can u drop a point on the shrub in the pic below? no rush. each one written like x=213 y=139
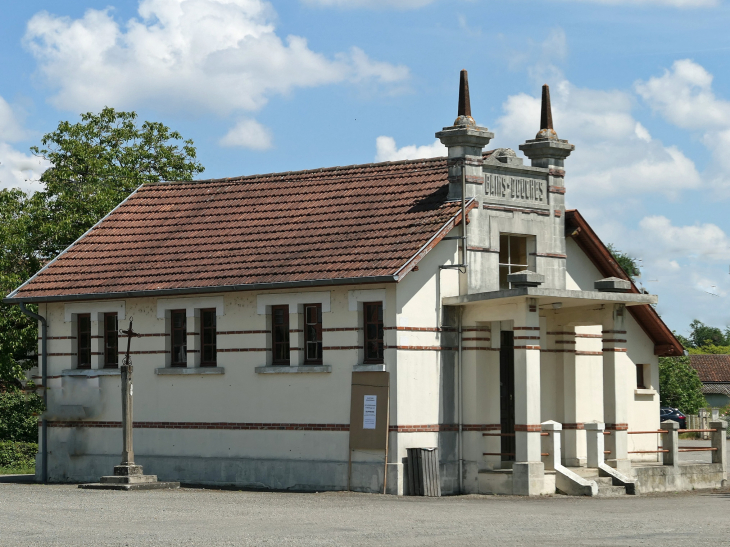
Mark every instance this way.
x=17 y=419
x=17 y=455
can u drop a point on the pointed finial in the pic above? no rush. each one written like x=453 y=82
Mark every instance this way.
x=464 y=116
x=464 y=102
x=546 y=117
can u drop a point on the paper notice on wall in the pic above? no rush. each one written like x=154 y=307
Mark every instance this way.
x=369 y=413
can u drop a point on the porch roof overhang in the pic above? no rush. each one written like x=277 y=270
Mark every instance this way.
x=567 y=299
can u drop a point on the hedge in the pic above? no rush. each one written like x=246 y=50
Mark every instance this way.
x=17 y=454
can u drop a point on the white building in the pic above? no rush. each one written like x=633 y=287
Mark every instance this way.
x=258 y=298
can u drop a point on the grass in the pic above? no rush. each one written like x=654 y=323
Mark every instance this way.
x=17 y=470
x=689 y=435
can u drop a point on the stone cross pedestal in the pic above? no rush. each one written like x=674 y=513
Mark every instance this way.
x=128 y=475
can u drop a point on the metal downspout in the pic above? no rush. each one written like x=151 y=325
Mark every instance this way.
x=464 y=244
x=460 y=408
x=44 y=381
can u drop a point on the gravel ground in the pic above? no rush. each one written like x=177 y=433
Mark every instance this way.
x=33 y=514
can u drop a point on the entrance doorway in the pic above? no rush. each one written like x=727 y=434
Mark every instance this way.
x=507 y=394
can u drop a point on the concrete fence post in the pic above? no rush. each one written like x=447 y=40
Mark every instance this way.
x=551 y=444
x=594 y=441
x=718 y=440
x=670 y=441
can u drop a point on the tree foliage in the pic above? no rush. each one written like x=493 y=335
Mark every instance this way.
x=18 y=421
x=627 y=262
x=95 y=164
x=704 y=335
x=680 y=385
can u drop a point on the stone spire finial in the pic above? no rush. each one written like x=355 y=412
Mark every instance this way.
x=464 y=116
x=546 y=117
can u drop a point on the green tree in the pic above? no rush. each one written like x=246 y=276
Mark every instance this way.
x=95 y=164
x=680 y=385
x=704 y=335
x=628 y=263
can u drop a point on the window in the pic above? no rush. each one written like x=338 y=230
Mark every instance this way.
x=280 y=331
x=207 y=338
x=313 y=334
x=512 y=257
x=83 y=337
x=179 y=337
x=640 y=377
x=373 y=332
x=111 y=341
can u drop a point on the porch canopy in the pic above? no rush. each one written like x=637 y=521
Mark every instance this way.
x=549 y=297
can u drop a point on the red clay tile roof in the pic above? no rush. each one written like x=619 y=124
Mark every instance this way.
x=711 y=368
x=665 y=343
x=361 y=221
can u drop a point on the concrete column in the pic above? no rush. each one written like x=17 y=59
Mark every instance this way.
x=718 y=440
x=551 y=444
x=595 y=444
x=528 y=470
x=296 y=338
x=615 y=387
x=670 y=442
x=193 y=339
x=572 y=427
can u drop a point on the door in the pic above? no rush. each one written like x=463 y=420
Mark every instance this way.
x=507 y=394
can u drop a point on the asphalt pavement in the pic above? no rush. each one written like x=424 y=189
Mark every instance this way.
x=32 y=514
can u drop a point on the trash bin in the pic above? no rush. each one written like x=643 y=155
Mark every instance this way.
x=423 y=472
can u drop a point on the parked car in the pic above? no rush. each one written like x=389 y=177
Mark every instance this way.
x=674 y=414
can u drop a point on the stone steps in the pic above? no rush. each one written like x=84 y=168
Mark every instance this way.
x=606 y=489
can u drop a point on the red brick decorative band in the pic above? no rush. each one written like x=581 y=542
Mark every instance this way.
x=149 y=352
x=225 y=332
x=561 y=333
x=557 y=351
x=565 y=342
x=526 y=328
x=613 y=332
x=420 y=329
x=515 y=210
x=529 y=428
x=97 y=337
x=615 y=350
x=556 y=172
x=439 y=428
x=481 y=249
x=345 y=329
x=549 y=255
x=527 y=347
x=296 y=330
x=336 y=348
x=149 y=335
x=589 y=336
x=556 y=189
x=615 y=340
x=526 y=337
x=208 y=425
x=480 y=348
x=617 y=427
x=589 y=353
x=423 y=348
x=558 y=213
x=237 y=350
x=476 y=329
x=58 y=338
x=579 y=425
x=61 y=354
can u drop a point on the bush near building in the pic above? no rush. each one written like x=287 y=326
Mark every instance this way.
x=679 y=385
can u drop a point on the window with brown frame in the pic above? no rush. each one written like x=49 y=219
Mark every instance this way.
x=208 y=338
x=83 y=339
x=640 y=376
x=373 y=332
x=179 y=338
x=313 y=334
x=512 y=257
x=111 y=341
x=280 y=334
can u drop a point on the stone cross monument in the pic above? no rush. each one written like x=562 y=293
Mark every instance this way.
x=128 y=475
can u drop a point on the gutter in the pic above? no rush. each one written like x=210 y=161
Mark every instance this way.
x=44 y=381
x=10 y=299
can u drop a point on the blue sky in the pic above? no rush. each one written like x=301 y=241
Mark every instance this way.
x=641 y=87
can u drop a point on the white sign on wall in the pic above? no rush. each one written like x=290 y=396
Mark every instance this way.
x=369 y=412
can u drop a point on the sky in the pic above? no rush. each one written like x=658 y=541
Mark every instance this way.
x=641 y=87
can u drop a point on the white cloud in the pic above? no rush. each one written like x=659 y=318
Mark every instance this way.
x=19 y=170
x=671 y=3
x=211 y=55
x=11 y=127
x=615 y=154
x=684 y=97
x=386 y=150
x=372 y=4
x=706 y=242
x=248 y=134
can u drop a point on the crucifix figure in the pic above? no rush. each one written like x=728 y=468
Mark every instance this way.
x=127 y=391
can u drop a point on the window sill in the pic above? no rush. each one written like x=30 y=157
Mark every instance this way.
x=181 y=371
x=91 y=372
x=642 y=391
x=368 y=368
x=284 y=369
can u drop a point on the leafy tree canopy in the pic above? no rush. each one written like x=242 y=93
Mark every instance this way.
x=680 y=385
x=628 y=263
x=704 y=335
x=95 y=164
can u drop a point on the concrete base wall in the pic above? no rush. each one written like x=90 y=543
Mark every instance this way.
x=672 y=479
x=500 y=483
